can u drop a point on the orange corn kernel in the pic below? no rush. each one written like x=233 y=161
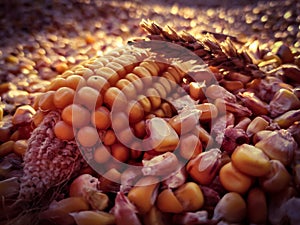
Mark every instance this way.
x=109 y=138
x=120 y=152
x=63 y=97
x=56 y=84
x=101 y=118
x=76 y=115
x=114 y=97
x=75 y=82
x=135 y=111
x=140 y=129
x=234 y=180
x=46 y=101
x=204 y=167
x=251 y=160
x=98 y=83
x=63 y=131
x=102 y=154
x=87 y=136
x=89 y=97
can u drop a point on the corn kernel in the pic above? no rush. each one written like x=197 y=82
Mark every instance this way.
x=101 y=118
x=277 y=179
x=63 y=97
x=168 y=202
x=87 y=136
x=251 y=160
x=231 y=208
x=89 y=97
x=92 y=217
x=20 y=147
x=6 y=148
x=234 y=180
x=190 y=196
x=143 y=195
x=257 y=209
x=203 y=168
x=76 y=115
x=102 y=154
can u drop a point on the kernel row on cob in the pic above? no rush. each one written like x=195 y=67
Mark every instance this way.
x=229 y=172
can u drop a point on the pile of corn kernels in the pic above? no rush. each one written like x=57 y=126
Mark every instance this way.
x=94 y=131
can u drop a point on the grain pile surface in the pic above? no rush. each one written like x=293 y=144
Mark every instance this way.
x=131 y=112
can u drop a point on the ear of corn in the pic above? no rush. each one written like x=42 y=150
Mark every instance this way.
x=71 y=122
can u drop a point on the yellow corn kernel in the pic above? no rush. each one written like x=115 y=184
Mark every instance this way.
x=189 y=146
x=98 y=83
x=232 y=85
x=89 y=97
x=196 y=90
x=46 y=101
x=143 y=194
x=127 y=88
x=154 y=216
x=251 y=160
x=257 y=209
x=9 y=187
x=208 y=111
x=20 y=147
x=277 y=179
x=163 y=137
x=38 y=117
x=135 y=111
x=234 y=180
x=288 y=118
x=167 y=202
x=256 y=125
x=109 y=74
x=97 y=199
x=279 y=145
x=154 y=97
x=145 y=103
x=190 y=196
x=114 y=97
x=6 y=148
x=185 y=121
x=118 y=68
x=204 y=167
x=231 y=208
x=143 y=74
x=75 y=82
x=136 y=81
x=92 y=217
x=59 y=212
x=1 y=113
